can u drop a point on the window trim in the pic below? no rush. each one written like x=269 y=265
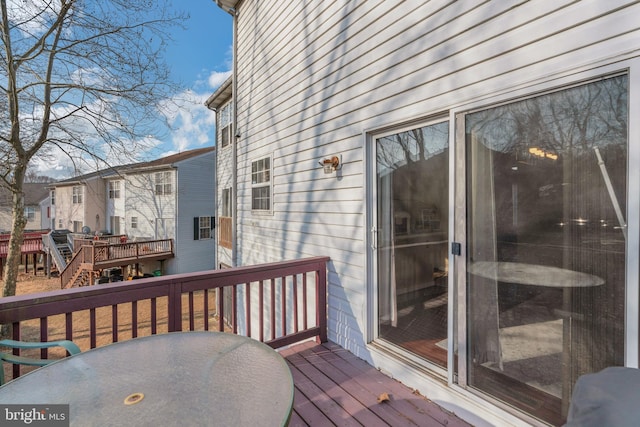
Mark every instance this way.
x=30 y=213
x=114 y=189
x=225 y=205
x=225 y=123
x=164 y=184
x=263 y=184
x=199 y=228
x=77 y=195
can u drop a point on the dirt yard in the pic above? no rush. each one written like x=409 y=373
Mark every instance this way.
x=28 y=283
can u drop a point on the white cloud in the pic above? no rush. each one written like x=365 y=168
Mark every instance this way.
x=192 y=123
x=216 y=78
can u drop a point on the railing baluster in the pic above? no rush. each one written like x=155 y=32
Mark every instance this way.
x=294 y=298
x=114 y=323
x=16 y=351
x=304 y=301
x=92 y=328
x=191 y=317
x=321 y=302
x=247 y=290
x=154 y=316
x=234 y=310
x=273 y=309
x=261 y=308
x=220 y=309
x=205 y=308
x=68 y=317
x=134 y=319
x=44 y=336
x=283 y=305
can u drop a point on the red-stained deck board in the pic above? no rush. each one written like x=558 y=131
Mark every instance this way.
x=334 y=387
x=328 y=396
x=407 y=404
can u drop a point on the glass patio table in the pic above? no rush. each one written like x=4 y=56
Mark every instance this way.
x=545 y=276
x=179 y=378
x=534 y=275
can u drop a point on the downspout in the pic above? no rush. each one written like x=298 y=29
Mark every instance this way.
x=236 y=136
x=233 y=11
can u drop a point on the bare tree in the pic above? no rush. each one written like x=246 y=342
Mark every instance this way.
x=81 y=79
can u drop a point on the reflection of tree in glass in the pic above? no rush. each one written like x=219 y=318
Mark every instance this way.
x=583 y=117
x=411 y=146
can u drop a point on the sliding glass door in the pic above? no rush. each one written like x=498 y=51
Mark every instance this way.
x=546 y=185
x=410 y=253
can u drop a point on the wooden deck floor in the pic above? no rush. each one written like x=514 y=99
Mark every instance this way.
x=334 y=387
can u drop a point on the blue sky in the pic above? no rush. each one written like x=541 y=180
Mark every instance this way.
x=205 y=47
x=200 y=57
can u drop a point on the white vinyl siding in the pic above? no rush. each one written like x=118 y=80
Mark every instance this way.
x=334 y=70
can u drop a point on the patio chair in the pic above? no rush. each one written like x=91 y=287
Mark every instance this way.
x=70 y=346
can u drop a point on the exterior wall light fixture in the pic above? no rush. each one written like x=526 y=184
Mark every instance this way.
x=331 y=164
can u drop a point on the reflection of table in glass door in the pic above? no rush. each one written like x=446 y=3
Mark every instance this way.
x=173 y=379
x=546 y=276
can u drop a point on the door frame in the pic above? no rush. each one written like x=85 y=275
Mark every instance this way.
x=457 y=265
x=371 y=330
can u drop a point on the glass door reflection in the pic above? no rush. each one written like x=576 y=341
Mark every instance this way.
x=546 y=199
x=412 y=217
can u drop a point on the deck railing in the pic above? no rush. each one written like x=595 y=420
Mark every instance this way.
x=31 y=244
x=277 y=303
x=100 y=254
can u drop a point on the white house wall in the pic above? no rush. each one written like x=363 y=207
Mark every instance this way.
x=94 y=205
x=224 y=179
x=116 y=206
x=196 y=198
x=314 y=77
x=142 y=202
x=90 y=212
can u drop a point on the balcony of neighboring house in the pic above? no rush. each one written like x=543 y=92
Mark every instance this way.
x=282 y=304
x=31 y=246
x=91 y=257
x=224 y=234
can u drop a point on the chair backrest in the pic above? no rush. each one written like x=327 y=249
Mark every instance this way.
x=69 y=346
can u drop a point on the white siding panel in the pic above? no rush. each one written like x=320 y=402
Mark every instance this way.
x=465 y=59
x=314 y=76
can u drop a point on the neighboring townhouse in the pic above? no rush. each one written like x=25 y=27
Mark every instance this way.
x=168 y=198
x=35 y=197
x=78 y=203
x=222 y=103
x=468 y=168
